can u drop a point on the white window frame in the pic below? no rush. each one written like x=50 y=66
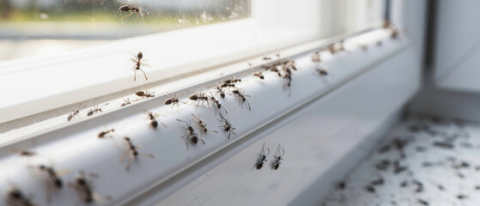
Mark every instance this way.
x=78 y=141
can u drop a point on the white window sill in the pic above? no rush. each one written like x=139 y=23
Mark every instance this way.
x=77 y=147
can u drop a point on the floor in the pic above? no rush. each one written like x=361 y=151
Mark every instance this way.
x=425 y=161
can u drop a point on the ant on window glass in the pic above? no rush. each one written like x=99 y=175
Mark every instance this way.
x=132 y=8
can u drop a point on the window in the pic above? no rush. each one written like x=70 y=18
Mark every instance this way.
x=77 y=51
x=41 y=95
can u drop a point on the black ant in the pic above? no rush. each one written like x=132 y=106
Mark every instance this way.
x=277 y=158
x=219 y=90
x=126 y=102
x=262 y=158
x=267 y=58
x=137 y=60
x=289 y=64
x=200 y=97
x=96 y=109
x=152 y=117
x=232 y=81
x=103 y=134
x=133 y=150
x=16 y=197
x=227 y=126
x=216 y=103
x=25 y=153
x=191 y=135
x=331 y=48
x=259 y=75
x=174 y=101
x=242 y=98
x=273 y=68
x=316 y=57
x=228 y=85
x=54 y=178
x=133 y=9
x=75 y=112
x=147 y=94
x=341 y=47
x=84 y=188
x=322 y=71
x=202 y=125
x=364 y=47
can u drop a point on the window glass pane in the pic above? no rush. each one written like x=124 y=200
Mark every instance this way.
x=42 y=27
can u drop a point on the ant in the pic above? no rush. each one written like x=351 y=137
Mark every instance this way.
x=133 y=9
x=289 y=64
x=174 y=101
x=331 y=48
x=227 y=126
x=216 y=103
x=84 y=188
x=242 y=98
x=341 y=47
x=262 y=158
x=54 y=178
x=259 y=75
x=277 y=158
x=25 y=153
x=225 y=85
x=133 y=150
x=273 y=68
x=126 y=102
x=202 y=125
x=219 y=90
x=16 y=197
x=200 y=97
x=96 y=109
x=153 y=118
x=192 y=136
x=75 y=112
x=232 y=81
x=145 y=94
x=103 y=134
x=322 y=71
x=137 y=60
x=316 y=57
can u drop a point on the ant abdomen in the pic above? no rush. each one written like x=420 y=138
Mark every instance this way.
x=125 y=8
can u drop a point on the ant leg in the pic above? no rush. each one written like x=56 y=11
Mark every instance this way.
x=135 y=75
x=128 y=164
x=144 y=74
x=126 y=16
x=202 y=141
x=148 y=155
x=229 y=133
x=186 y=143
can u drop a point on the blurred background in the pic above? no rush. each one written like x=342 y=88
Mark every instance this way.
x=44 y=27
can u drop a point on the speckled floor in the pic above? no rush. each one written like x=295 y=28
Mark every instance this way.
x=425 y=161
